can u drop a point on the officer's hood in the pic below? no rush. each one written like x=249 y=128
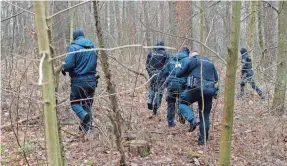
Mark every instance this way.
x=243 y=51
x=183 y=53
x=159 y=43
x=78 y=33
x=81 y=41
x=179 y=56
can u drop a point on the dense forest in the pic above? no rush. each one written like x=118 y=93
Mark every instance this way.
x=39 y=126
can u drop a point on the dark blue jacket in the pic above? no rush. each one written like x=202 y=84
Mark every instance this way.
x=192 y=67
x=81 y=66
x=246 y=62
x=174 y=82
x=157 y=59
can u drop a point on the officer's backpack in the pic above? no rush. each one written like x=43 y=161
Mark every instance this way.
x=157 y=60
x=174 y=82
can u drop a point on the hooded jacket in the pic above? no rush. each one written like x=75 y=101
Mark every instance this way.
x=246 y=62
x=173 y=81
x=192 y=67
x=81 y=66
x=157 y=59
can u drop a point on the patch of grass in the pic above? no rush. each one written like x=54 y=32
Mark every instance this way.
x=194 y=154
x=28 y=148
x=91 y=163
x=145 y=153
x=2 y=148
x=3 y=163
x=41 y=163
x=244 y=119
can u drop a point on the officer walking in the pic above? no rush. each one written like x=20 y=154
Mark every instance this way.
x=209 y=78
x=82 y=69
x=156 y=61
x=247 y=75
x=174 y=85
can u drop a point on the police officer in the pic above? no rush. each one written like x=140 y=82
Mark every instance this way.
x=247 y=74
x=156 y=61
x=174 y=85
x=82 y=69
x=209 y=77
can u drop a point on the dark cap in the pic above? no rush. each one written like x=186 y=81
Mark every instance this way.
x=77 y=33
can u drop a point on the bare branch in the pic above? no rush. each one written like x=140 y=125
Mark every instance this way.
x=50 y=17
x=19 y=8
x=5 y=19
x=20 y=122
x=183 y=37
x=109 y=49
x=209 y=31
x=16 y=93
x=117 y=93
x=274 y=8
x=129 y=69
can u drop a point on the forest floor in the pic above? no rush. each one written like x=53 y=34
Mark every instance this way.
x=258 y=139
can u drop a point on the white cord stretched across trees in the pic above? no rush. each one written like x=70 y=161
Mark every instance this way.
x=125 y=91
x=110 y=49
x=19 y=7
x=40 y=81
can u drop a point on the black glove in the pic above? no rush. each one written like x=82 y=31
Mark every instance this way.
x=63 y=72
x=216 y=93
x=97 y=77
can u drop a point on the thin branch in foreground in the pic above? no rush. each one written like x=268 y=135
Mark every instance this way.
x=16 y=93
x=183 y=37
x=129 y=69
x=274 y=8
x=50 y=17
x=15 y=15
x=109 y=49
x=19 y=8
x=108 y=95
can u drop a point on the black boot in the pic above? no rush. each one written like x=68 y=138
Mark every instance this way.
x=85 y=124
x=181 y=119
x=149 y=104
x=154 y=110
x=193 y=123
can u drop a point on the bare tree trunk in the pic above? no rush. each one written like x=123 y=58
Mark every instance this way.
x=162 y=19
x=172 y=24
x=111 y=17
x=56 y=79
x=251 y=29
x=118 y=21
x=281 y=76
x=48 y=88
x=116 y=117
x=261 y=37
x=71 y=16
x=148 y=37
x=203 y=26
x=229 y=91
x=184 y=21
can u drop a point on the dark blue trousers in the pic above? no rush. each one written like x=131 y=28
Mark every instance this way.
x=82 y=91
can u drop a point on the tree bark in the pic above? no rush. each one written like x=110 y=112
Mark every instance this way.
x=172 y=24
x=148 y=37
x=260 y=34
x=229 y=91
x=48 y=88
x=184 y=21
x=203 y=26
x=251 y=28
x=71 y=17
x=281 y=76
x=116 y=117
